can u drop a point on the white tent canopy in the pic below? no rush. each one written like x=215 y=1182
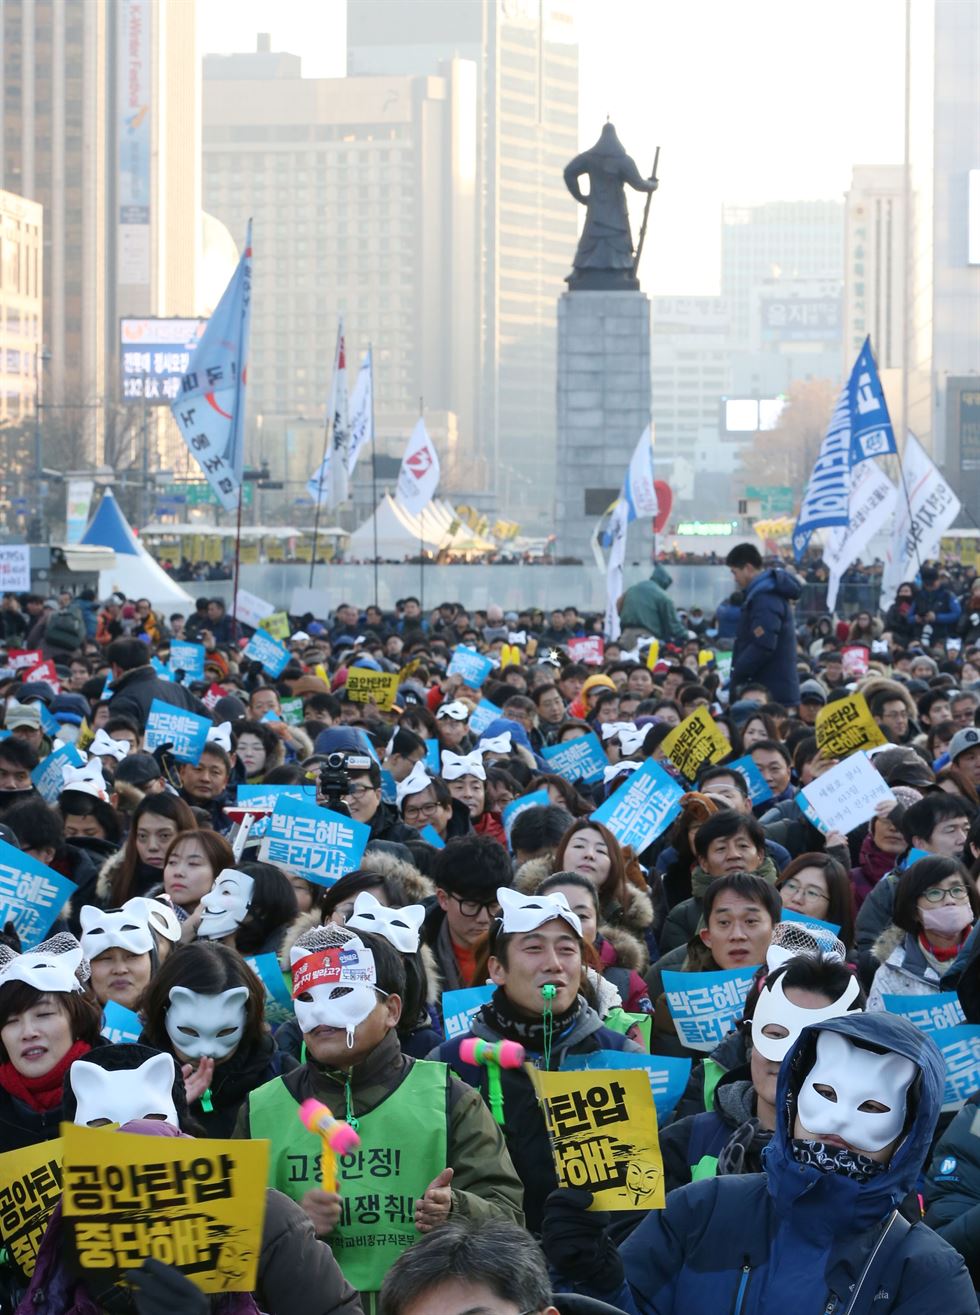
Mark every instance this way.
x=135 y=574
x=400 y=533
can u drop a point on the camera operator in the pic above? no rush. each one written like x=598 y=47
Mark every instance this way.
x=350 y=776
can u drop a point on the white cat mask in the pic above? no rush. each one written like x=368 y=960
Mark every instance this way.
x=123 y=929
x=123 y=1094
x=206 y=1025
x=400 y=927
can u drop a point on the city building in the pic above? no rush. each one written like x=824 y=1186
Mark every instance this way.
x=525 y=131
x=21 y=283
x=874 y=262
x=941 y=384
x=100 y=125
x=362 y=196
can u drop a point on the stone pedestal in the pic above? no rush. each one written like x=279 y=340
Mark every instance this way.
x=603 y=407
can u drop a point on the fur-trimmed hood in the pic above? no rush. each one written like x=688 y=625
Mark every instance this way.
x=103 y=885
x=625 y=934
x=888 y=942
x=874 y=685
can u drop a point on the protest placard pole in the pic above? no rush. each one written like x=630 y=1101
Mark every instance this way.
x=327 y=424
x=374 y=475
x=238 y=557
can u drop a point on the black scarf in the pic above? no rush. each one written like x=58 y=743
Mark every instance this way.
x=500 y=1014
x=835 y=1159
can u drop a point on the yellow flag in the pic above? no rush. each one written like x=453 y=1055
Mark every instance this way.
x=653 y=653
x=195 y=1204
x=380 y=687
x=30 y=1188
x=705 y=656
x=603 y=1130
x=696 y=741
x=847 y=725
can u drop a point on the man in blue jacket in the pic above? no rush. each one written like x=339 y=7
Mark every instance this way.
x=831 y=1226
x=765 y=646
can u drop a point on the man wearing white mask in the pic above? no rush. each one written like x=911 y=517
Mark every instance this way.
x=536 y=965
x=428 y=1147
x=831 y=1227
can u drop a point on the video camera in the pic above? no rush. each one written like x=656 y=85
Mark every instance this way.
x=335 y=777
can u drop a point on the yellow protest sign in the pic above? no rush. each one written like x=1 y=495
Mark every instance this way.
x=195 y=1204
x=409 y=670
x=30 y=1188
x=653 y=654
x=845 y=726
x=603 y=1130
x=276 y=624
x=695 y=743
x=380 y=687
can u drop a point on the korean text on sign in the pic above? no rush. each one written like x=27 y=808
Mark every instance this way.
x=263 y=648
x=188 y=658
x=759 y=792
x=47 y=777
x=459 y=1008
x=960 y=1048
x=195 y=1204
x=642 y=808
x=668 y=1074
x=581 y=759
x=929 y=1013
x=380 y=687
x=185 y=731
x=845 y=726
x=471 y=665
x=603 y=1132
x=696 y=742
x=314 y=842
x=31 y=895
x=30 y=1188
x=706 y=1006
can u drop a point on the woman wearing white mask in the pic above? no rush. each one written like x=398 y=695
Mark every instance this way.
x=207 y=1008
x=936 y=905
x=120 y=947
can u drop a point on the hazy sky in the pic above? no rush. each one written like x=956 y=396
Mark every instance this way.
x=749 y=100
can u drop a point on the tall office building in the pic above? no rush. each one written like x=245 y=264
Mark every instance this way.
x=362 y=194
x=874 y=262
x=942 y=383
x=100 y=124
x=525 y=132
x=21 y=282
x=762 y=244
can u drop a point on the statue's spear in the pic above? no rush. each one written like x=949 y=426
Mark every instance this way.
x=646 y=216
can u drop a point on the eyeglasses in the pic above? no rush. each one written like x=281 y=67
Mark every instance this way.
x=793 y=887
x=472 y=908
x=936 y=894
x=420 y=810
x=357 y=791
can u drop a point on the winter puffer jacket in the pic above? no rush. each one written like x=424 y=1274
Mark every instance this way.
x=953 y=1186
x=794 y=1238
x=684 y=919
x=765 y=646
x=904 y=970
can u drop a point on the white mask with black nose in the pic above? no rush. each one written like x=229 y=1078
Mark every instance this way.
x=855 y=1094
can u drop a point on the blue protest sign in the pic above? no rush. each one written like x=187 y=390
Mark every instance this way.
x=389 y=788
x=706 y=1006
x=188 y=658
x=271 y=715
x=642 y=808
x=536 y=799
x=31 y=895
x=482 y=715
x=432 y=837
x=431 y=758
x=185 y=731
x=267 y=970
x=263 y=648
x=161 y=668
x=929 y=1013
x=668 y=1074
x=120 y=1025
x=759 y=792
x=961 y=1051
x=267 y=796
x=459 y=1008
x=581 y=759
x=47 y=778
x=313 y=842
x=49 y=723
x=471 y=665
x=791 y=915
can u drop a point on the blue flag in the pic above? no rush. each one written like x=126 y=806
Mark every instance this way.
x=859 y=428
x=210 y=407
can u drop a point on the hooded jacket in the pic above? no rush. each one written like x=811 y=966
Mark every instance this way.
x=904 y=969
x=793 y=1238
x=135 y=690
x=765 y=646
x=647 y=607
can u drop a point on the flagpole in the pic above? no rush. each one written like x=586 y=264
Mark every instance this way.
x=374 y=472
x=238 y=553
x=421 y=549
x=239 y=423
x=908 y=500
x=331 y=407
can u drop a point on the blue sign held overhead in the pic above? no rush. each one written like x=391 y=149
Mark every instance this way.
x=120 y=1025
x=536 y=799
x=642 y=808
x=314 y=842
x=185 y=731
x=471 y=665
x=31 y=895
x=581 y=759
x=460 y=1007
x=759 y=792
x=263 y=648
x=47 y=777
x=188 y=658
x=706 y=1006
x=482 y=715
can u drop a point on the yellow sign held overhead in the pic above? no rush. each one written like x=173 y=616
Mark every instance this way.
x=602 y=1125
x=277 y=625
x=696 y=742
x=30 y=1188
x=195 y=1204
x=380 y=687
x=847 y=725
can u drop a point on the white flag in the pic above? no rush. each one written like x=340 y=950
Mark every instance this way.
x=921 y=519
x=870 y=506
x=361 y=412
x=340 y=426
x=638 y=487
x=419 y=474
x=615 y=536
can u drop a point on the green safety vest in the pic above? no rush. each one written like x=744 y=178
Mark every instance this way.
x=403 y=1147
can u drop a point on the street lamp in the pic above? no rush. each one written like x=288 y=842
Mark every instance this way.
x=41 y=355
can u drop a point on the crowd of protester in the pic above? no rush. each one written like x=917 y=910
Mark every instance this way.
x=811 y=1164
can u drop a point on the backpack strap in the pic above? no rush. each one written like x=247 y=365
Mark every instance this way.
x=889 y=1241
